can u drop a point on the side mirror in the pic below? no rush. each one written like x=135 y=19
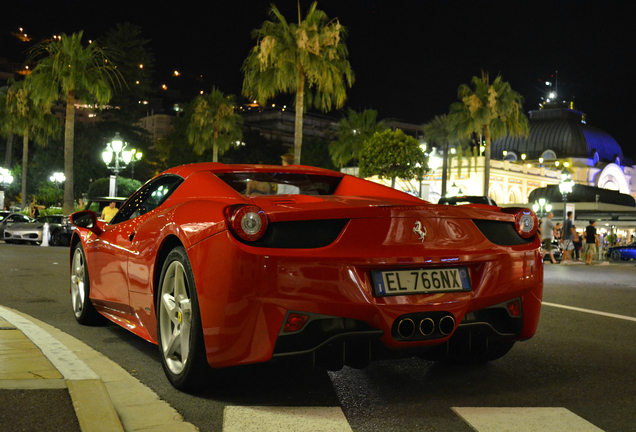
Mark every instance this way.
x=86 y=219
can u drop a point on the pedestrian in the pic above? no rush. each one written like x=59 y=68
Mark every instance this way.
x=567 y=238
x=109 y=211
x=578 y=244
x=35 y=212
x=287 y=159
x=591 y=242
x=285 y=188
x=547 y=230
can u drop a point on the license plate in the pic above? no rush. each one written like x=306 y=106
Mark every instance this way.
x=421 y=281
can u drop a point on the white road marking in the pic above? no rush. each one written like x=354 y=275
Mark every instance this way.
x=611 y=315
x=524 y=420
x=64 y=360
x=274 y=419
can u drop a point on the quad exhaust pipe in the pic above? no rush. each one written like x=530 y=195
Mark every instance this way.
x=418 y=327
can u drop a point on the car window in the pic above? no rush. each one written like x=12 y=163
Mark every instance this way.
x=148 y=198
x=17 y=218
x=50 y=219
x=277 y=183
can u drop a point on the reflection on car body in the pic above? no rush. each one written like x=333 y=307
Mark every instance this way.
x=219 y=275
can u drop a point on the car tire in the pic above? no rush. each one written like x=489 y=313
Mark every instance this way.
x=179 y=330
x=83 y=308
x=56 y=238
x=615 y=255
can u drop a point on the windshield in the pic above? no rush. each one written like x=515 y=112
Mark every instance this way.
x=50 y=219
x=273 y=183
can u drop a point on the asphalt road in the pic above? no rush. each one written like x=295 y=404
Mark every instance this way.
x=581 y=360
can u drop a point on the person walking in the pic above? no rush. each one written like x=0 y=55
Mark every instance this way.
x=567 y=238
x=547 y=230
x=578 y=244
x=591 y=242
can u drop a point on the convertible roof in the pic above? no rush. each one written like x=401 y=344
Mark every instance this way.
x=187 y=170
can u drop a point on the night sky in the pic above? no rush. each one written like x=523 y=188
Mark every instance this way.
x=409 y=57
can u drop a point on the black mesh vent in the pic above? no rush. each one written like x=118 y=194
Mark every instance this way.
x=501 y=233
x=309 y=234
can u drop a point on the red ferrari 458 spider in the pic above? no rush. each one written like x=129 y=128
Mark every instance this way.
x=224 y=265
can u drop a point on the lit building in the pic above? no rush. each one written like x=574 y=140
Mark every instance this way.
x=559 y=138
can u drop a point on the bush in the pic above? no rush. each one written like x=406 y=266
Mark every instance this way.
x=125 y=187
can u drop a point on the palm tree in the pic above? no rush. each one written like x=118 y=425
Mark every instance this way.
x=5 y=126
x=23 y=117
x=489 y=110
x=69 y=71
x=308 y=59
x=353 y=131
x=213 y=123
x=437 y=131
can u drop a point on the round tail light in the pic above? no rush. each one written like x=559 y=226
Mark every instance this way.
x=526 y=222
x=248 y=222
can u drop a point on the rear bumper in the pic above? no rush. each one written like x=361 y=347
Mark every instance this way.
x=243 y=321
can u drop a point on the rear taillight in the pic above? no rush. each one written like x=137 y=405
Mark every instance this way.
x=248 y=222
x=526 y=222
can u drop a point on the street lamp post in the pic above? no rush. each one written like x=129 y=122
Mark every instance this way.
x=542 y=207
x=565 y=186
x=5 y=180
x=57 y=178
x=434 y=162
x=115 y=152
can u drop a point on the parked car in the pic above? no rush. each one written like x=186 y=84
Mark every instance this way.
x=97 y=204
x=60 y=229
x=341 y=272
x=618 y=253
x=7 y=219
x=467 y=199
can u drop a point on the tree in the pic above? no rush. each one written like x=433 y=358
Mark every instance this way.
x=308 y=59
x=213 y=123
x=25 y=118
x=392 y=154
x=317 y=153
x=353 y=131
x=70 y=71
x=5 y=129
x=128 y=52
x=490 y=111
x=256 y=149
x=438 y=131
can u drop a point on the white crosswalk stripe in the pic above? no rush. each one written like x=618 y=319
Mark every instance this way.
x=297 y=419
x=524 y=420
x=311 y=419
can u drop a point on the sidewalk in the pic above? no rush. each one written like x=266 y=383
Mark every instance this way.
x=51 y=381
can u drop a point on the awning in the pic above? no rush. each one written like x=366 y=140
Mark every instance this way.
x=581 y=193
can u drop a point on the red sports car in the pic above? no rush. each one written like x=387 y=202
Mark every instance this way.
x=224 y=265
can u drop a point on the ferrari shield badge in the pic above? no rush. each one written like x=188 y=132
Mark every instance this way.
x=420 y=230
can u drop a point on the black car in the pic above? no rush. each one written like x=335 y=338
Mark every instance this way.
x=97 y=204
x=467 y=199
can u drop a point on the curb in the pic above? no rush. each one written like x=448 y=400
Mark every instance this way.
x=105 y=397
